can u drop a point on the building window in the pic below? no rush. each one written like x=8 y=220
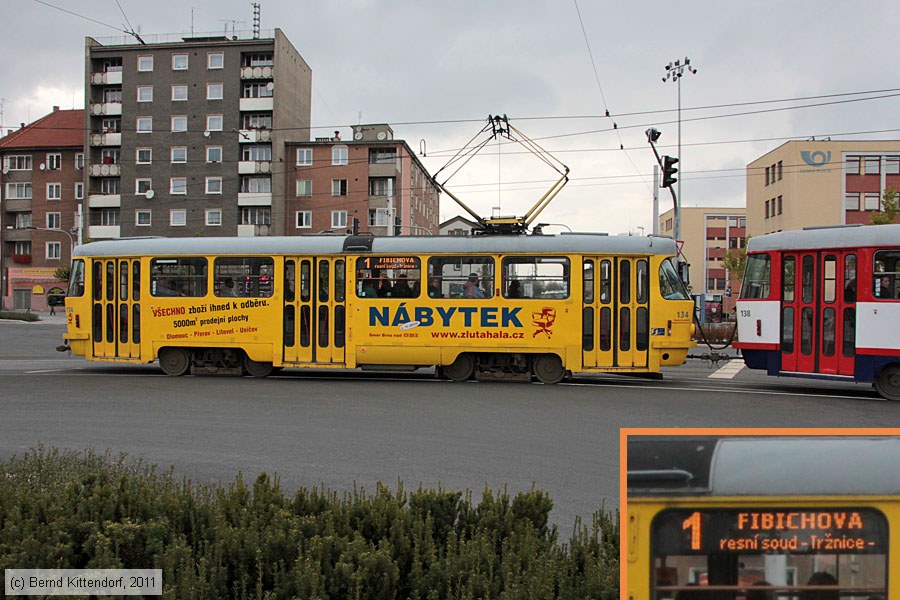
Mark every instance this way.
x=256 y=185
x=257 y=90
x=257 y=59
x=873 y=165
x=256 y=215
x=851 y=201
x=214 y=217
x=873 y=201
x=54 y=162
x=145 y=124
x=79 y=190
x=304 y=187
x=214 y=122
x=53 y=250
x=780 y=205
x=381 y=186
x=18 y=162
x=779 y=170
x=178 y=186
x=79 y=161
x=215 y=60
x=177 y=217
x=179 y=124
x=215 y=91
x=338 y=219
x=142 y=218
x=22 y=248
x=304 y=157
x=214 y=154
x=109 y=186
x=111 y=125
x=179 y=62
x=110 y=156
x=53 y=220
x=112 y=96
x=767 y=209
x=256 y=121
x=142 y=186
x=338 y=187
x=145 y=63
x=851 y=165
x=179 y=93
x=892 y=165
x=339 y=155
x=383 y=156
x=304 y=219
x=379 y=218
x=23 y=221
x=145 y=93
x=179 y=155
x=256 y=152
x=54 y=191
x=767 y=175
x=772 y=171
x=213 y=185
x=143 y=156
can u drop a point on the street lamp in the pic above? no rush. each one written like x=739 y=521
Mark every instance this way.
x=69 y=235
x=674 y=72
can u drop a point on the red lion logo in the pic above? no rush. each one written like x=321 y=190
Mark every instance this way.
x=543 y=320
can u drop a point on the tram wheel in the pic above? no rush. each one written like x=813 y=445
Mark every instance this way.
x=548 y=368
x=461 y=368
x=175 y=361
x=257 y=369
x=888 y=383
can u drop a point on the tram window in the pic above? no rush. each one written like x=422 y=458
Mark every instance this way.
x=252 y=277
x=178 y=277
x=110 y=281
x=787 y=330
x=456 y=275
x=123 y=323
x=886 y=274
x=642 y=282
x=808 y=279
x=624 y=328
x=305 y=277
x=828 y=331
x=587 y=281
x=625 y=282
x=289 y=274
x=76 y=279
x=340 y=277
x=670 y=284
x=850 y=278
x=97 y=287
x=642 y=329
x=587 y=328
x=323 y=284
x=785 y=548
x=289 y=325
x=788 y=279
x=806 y=322
x=830 y=278
x=757 y=277
x=136 y=323
x=388 y=277
x=123 y=281
x=848 y=345
x=605 y=329
x=544 y=277
x=136 y=281
x=605 y=281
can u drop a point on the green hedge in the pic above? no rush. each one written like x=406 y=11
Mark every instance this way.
x=19 y=316
x=84 y=510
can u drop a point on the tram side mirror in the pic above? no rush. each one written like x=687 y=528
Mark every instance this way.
x=684 y=272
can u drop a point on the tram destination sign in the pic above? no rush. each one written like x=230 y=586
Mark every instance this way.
x=780 y=530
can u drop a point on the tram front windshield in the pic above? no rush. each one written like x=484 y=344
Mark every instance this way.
x=769 y=553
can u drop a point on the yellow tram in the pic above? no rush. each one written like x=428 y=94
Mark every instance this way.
x=485 y=306
x=762 y=517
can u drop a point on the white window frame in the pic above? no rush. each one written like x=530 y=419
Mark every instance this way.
x=212 y=183
x=308 y=188
x=145 y=93
x=176 y=62
x=18 y=190
x=872 y=200
x=145 y=63
x=54 y=220
x=220 y=60
x=140 y=183
x=79 y=161
x=79 y=190
x=338 y=219
x=54 y=192
x=892 y=165
x=53 y=250
x=143 y=212
x=209 y=122
x=303 y=219
x=210 y=212
x=335 y=188
x=18 y=162
x=213 y=87
x=172 y=152
x=872 y=165
x=340 y=156
x=147 y=151
x=54 y=161
x=178 y=119
x=147 y=122
x=208 y=149
x=177 y=217
x=178 y=186
x=179 y=93
x=304 y=157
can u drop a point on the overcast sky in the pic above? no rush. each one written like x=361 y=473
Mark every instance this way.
x=417 y=64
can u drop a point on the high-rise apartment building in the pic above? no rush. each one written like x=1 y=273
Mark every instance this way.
x=372 y=178
x=186 y=137
x=41 y=193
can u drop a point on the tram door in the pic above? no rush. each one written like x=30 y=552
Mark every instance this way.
x=818 y=312
x=116 y=312
x=615 y=312
x=314 y=322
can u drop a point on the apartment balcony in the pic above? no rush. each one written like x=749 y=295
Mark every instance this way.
x=257 y=72
x=250 y=136
x=254 y=167
x=106 y=170
x=17 y=205
x=106 y=139
x=104 y=201
x=253 y=230
x=103 y=232
x=110 y=78
x=257 y=104
x=254 y=199
x=17 y=234
x=386 y=169
x=106 y=109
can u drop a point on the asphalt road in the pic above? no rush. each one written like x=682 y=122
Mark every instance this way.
x=346 y=430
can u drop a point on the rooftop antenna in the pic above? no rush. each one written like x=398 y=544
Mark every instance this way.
x=255 y=6
x=234 y=23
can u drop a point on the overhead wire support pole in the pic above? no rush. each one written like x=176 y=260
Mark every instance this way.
x=674 y=72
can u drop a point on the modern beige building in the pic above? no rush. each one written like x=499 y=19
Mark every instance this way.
x=708 y=233
x=816 y=183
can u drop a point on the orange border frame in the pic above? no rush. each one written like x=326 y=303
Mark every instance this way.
x=735 y=431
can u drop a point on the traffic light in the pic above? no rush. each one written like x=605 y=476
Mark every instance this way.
x=669 y=171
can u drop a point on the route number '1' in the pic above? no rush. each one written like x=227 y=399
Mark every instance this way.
x=693 y=523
